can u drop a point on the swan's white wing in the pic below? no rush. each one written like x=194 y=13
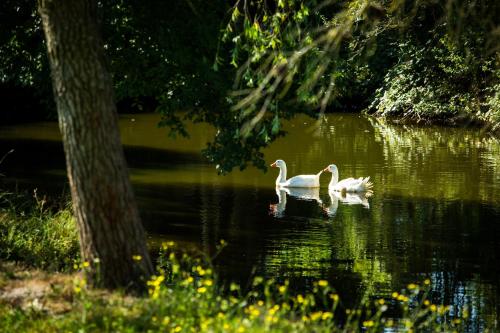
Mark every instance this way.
x=343 y=184
x=302 y=181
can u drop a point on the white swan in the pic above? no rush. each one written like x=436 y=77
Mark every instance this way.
x=347 y=185
x=297 y=181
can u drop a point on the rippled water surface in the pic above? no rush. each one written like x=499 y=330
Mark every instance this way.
x=435 y=211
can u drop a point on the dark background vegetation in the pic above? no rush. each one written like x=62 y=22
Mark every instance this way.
x=418 y=61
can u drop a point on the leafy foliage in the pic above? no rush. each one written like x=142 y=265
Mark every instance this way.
x=417 y=59
x=440 y=80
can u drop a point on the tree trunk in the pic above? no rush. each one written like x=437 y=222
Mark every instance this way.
x=112 y=238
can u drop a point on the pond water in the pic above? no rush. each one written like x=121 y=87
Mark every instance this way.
x=435 y=211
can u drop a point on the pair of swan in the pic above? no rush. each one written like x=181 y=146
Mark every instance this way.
x=349 y=185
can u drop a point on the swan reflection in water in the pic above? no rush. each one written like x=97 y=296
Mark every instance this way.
x=312 y=194
x=308 y=194
x=346 y=198
x=352 y=198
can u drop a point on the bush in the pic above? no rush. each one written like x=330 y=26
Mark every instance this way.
x=441 y=80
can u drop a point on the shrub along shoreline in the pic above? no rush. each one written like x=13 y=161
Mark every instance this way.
x=183 y=296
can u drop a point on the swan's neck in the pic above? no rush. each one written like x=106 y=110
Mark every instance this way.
x=282 y=176
x=335 y=178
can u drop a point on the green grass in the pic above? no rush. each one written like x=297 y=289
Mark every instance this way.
x=36 y=235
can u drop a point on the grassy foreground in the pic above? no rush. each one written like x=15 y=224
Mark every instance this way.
x=184 y=295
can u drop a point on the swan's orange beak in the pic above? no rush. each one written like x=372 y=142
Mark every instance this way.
x=326 y=169
x=273 y=165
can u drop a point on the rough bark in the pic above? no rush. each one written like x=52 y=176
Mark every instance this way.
x=111 y=234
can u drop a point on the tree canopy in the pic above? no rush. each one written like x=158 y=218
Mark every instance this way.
x=245 y=66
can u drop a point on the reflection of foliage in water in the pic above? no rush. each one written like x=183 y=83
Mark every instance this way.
x=467 y=157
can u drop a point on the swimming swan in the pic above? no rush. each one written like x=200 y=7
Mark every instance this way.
x=347 y=185
x=297 y=181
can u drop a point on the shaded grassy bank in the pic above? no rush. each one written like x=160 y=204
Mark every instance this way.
x=184 y=295
x=36 y=234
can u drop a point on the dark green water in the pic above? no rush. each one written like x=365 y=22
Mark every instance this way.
x=435 y=212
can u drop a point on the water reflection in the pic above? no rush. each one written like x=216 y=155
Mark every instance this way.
x=300 y=193
x=435 y=211
x=278 y=209
x=351 y=198
x=331 y=209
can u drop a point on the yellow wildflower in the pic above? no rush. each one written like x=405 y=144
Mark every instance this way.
x=177 y=329
x=316 y=315
x=326 y=315
x=86 y=264
x=282 y=289
x=427 y=282
x=323 y=283
x=208 y=282
x=300 y=299
x=260 y=303
x=433 y=308
x=334 y=297
x=137 y=257
x=201 y=290
x=368 y=323
x=412 y=286
x=395 y=294
x=254 y=312
x=274 y=309
x=427 y=302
